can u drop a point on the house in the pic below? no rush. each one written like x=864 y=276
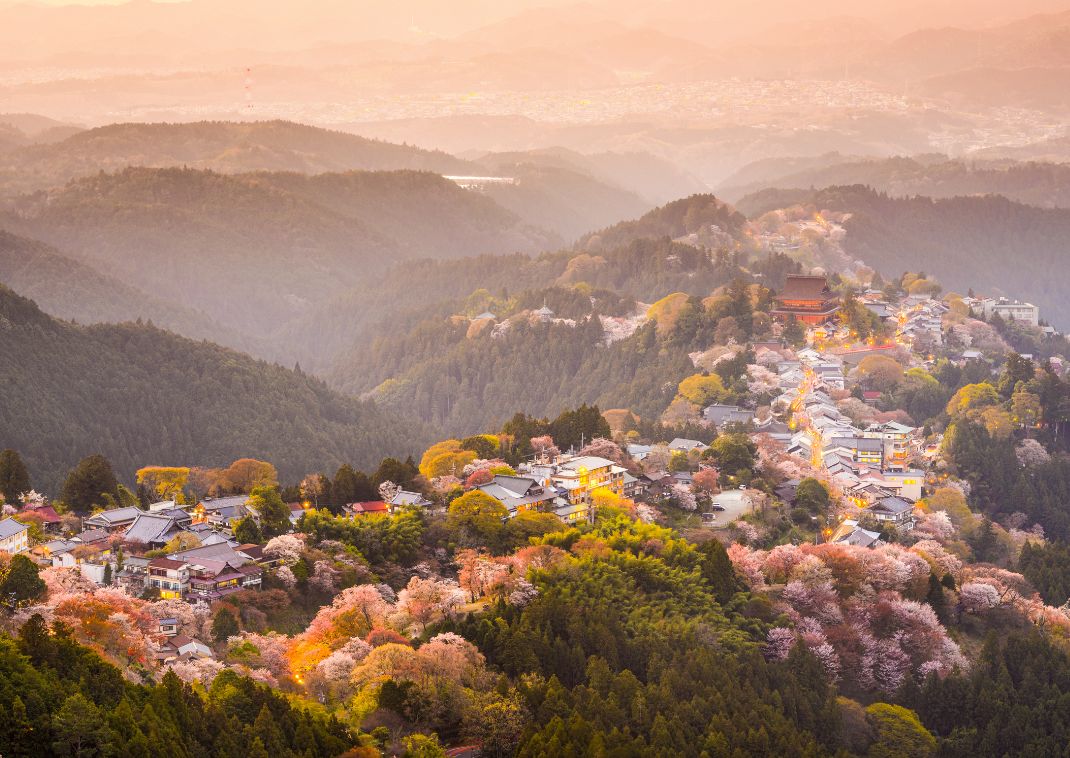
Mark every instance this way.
x=46 y=515
x=906 y=484
x=578 y=477
x=722 y=415
x=220 y=511
x=168 y=627
x=850 y=533
x=154 y=530
x=520 y=493
x=892 y=510
x=368 y=508
x=219 y=570
x=169 y=576
x=180 y=646
x=786 y=491
x=639 y=452
x=14 y=537
x=808 y=298
x=407 y=498
x=113 y=520
x=896 y=438
x=860 y=449
x=633 y=486
x=544 y=314
x=681 y=445
x=134 y=574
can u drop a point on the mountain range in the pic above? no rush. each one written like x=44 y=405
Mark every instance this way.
x=138 y=394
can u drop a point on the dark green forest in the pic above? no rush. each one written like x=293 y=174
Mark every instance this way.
x=138 y=395
x=59 y=698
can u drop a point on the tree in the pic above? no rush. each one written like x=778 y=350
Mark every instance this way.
x=972 y=397
x=247 y=532
x=273 y=514
x=166 y=482
x=89 y=484
x=349 y=486
x=794 y=333
x=80 y=728
x=575 y=428
x=702 y=389
x=477 y=518
x=21 y=582
x=733 y=453
x=14 y=478
x=812 y=495
x=706 y=481
x=423 y=746
x=899 y=733
x=879 y=372
x=107 y=575
x=313 y=487
x=246 y=474
x=224 y=625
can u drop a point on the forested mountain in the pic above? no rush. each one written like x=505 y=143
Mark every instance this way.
x=989 y=243
x=255 y=250
x=136 y=394
x=675 y=219
x=70 y=289
x=461 y=373
x=228 y=147
x=1046 y=185
x=654 y=179
x=643 y=269
x=564 y=200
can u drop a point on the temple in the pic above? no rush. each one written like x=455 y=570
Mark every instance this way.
x=808 y=298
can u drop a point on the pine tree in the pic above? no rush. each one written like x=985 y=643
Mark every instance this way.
x=224 y=625
x=14 y=478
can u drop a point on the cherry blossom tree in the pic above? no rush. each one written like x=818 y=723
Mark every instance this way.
x=604 y=448
x=544 y=447
x=285 y=547
x=388 y=490
x=286 y=575
x=426 y=601
x=324 y=577
x=197 y=670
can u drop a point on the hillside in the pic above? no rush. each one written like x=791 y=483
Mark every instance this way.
x=654 y=179
x=563 y=200
x=675 y=219
x=460 y=375
x=226 y=147
x=71 y=290
x=254 y=251
x=1042 y=184
x=988 y=243
x=137 y=394
x=641 y=269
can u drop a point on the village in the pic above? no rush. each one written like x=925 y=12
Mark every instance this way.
x=811 y=408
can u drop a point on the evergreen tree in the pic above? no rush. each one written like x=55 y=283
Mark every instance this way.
x=273 y=514
x=90 y=484
x=247 y=532
x=14 y=478
x=224 y=625
x=21 y=583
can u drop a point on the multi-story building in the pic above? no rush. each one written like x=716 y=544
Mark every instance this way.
x=807 y=298
x=171 y=577
x=14 y=537
x=1010 y=310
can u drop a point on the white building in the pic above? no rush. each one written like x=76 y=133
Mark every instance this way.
x=14 y=537
x=1011 y=310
